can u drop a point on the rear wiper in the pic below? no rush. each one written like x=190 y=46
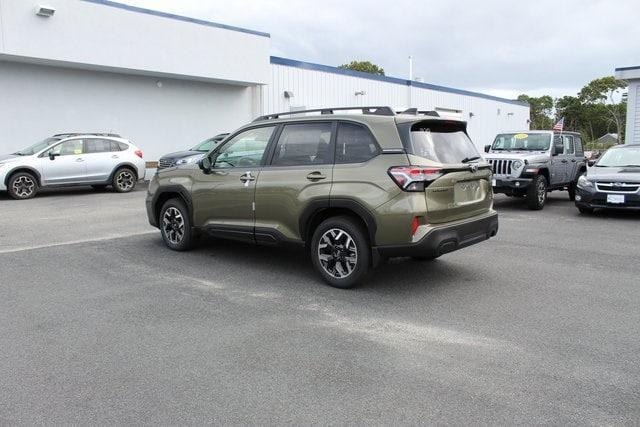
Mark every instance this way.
x=470 y=159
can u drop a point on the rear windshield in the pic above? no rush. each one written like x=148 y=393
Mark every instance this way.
x=441 y=142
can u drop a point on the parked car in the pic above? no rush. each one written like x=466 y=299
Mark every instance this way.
x=530 y=164
x=95 y=159
x=191 y=155
x=613 y=182
x=351 y=188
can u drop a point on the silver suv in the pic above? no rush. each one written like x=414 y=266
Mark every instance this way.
x=531 y=163
x=72 y=159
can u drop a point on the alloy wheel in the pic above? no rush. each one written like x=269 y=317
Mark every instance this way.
x=125 y=180
x=173 y=225
x=337 y=253
x=24 y=186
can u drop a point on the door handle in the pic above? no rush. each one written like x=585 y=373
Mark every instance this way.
x=573 y=160
x=247 y=178
x=564 y=161
x=115 y=156
x=315 y=176
x=79 y=159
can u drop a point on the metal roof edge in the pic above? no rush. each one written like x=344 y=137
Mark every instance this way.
x=176 y=17
x=335 y=70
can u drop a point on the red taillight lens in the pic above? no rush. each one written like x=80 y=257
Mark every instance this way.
x=138 y=153
x=414 y=178
x=414 y=225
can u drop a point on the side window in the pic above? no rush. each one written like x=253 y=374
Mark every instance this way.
x=578 y=143
x=120 y=146
x=98 y=146
x=72 y=147
x=567 y=140
x=304 y=144
x=244 y=149
x=354 y=144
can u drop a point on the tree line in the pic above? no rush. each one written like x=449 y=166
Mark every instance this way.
x=600 y=107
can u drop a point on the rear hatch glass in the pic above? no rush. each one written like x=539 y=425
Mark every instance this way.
x=462 y=191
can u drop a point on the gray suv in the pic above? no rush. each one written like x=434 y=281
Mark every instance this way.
x=529 y=164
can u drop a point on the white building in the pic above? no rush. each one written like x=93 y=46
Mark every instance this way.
x=168 y=82
x=632 y=76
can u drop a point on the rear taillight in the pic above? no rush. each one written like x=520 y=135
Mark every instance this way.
x=414 y=178
x=138 y=153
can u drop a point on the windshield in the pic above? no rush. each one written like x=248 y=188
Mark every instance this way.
x=620 y=157
x=37 y=147
x=441 y=143
x=209 y=144
x=521 y=142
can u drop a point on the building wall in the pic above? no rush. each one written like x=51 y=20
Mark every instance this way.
x=633 y=113
x=631 y=75
x=101 y=34
x=38 y=101
x=317 y=86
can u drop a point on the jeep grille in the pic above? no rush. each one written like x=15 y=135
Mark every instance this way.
x=500 y=167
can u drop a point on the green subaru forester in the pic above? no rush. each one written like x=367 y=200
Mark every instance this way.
x=350 y=188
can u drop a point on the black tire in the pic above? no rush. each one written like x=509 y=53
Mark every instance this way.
x=174 y=218
x=585 y=211
x=22 y=186
x=572 y=191
x=537 y=193
x=337 y=266
x=99 y=187
x=124 y=180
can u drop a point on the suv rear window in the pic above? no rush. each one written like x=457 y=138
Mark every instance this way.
x=442 y=142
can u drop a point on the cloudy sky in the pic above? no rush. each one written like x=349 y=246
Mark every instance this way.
x=502 y=47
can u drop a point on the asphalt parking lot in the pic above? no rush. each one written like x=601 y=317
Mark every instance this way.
x=100 y=323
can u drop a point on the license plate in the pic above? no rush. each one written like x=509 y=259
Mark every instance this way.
x=494 y=182
x=615 y=198
x=467 y=192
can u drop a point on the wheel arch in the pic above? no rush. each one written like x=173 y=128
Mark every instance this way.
x=321 y=210
x=127 y=165
x=26 y=169
x=168 y=193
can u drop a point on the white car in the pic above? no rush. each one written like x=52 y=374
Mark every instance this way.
x=72 y=159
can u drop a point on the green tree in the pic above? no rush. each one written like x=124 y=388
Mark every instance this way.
x=541 y=109
x=601 y=93
x=363 y=66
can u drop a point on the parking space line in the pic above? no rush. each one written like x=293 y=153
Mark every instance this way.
x=75 y=242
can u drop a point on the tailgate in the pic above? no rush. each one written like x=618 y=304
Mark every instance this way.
x=458 y=194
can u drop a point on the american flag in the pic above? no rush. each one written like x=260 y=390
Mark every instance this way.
x=560 y=125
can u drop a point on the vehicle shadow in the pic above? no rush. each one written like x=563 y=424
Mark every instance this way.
x=72 y=191
x=292 y=266
x=554 y=199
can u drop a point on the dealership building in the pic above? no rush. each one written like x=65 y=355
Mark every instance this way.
x=632 y=76
x=168 y=82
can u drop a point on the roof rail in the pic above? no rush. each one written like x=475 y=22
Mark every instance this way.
x=69 y=134
x=415 y=112
x=377 y=111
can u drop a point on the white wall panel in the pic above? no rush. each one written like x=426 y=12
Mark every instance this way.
x=313 y=88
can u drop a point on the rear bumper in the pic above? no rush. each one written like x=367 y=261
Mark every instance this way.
x=597 y=200
x=508 y=185
x=442 y=239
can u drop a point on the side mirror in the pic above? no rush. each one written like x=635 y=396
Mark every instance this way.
x=591 y=162
x=205 y=164
x=487 y=148
x=52 y=156
x=557 y=149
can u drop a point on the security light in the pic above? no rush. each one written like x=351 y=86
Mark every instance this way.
x=45 y=11
x=360 y=92
x=288 y=94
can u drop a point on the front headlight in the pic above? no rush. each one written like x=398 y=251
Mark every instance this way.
x=188 y=160
x=516 y=165
x=583 y=182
